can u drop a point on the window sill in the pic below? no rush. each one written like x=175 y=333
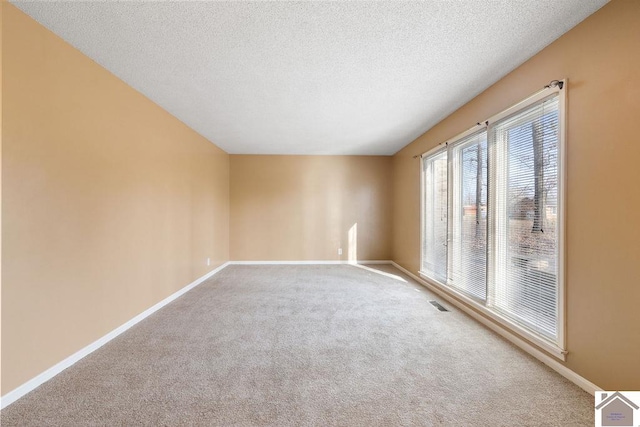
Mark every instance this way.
x=520 y=331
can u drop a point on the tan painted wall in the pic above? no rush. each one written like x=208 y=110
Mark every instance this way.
x=601 y=59
x=303 y=207
x=110 y=204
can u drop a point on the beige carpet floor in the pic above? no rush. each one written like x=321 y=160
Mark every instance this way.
x=330 y=345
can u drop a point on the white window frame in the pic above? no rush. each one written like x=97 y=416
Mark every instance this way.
x=555 y=347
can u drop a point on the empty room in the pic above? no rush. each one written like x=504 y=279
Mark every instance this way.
x=320 y=213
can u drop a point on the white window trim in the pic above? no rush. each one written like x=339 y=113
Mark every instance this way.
x=556 y=348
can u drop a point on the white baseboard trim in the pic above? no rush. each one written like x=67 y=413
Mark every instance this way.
x=30 y=385
x=551 y=362
x=364 y=262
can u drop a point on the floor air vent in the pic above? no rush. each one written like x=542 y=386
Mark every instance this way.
x=437 y=305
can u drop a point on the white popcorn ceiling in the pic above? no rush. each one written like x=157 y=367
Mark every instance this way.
x=311 y=77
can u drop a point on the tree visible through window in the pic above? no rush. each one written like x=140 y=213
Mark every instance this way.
x=526 y=283
x=468 y=267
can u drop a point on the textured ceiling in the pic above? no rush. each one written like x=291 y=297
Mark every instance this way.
x=311 y=77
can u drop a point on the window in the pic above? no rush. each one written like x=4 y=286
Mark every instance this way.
x=491 y=212
x=468 y=267
x=434 y=262
x=526 y=238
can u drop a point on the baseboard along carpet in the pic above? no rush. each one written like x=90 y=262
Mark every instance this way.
x=306 y=345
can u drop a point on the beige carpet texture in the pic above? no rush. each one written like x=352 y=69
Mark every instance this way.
x=306 y=345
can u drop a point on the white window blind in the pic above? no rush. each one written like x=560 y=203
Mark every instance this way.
x=525 y=208
x=434 y=227
x=468 y=205
x=492 y=217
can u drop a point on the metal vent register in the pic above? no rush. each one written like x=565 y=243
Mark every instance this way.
x=437 y=305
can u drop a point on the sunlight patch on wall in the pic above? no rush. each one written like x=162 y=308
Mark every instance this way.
x=353 y=243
